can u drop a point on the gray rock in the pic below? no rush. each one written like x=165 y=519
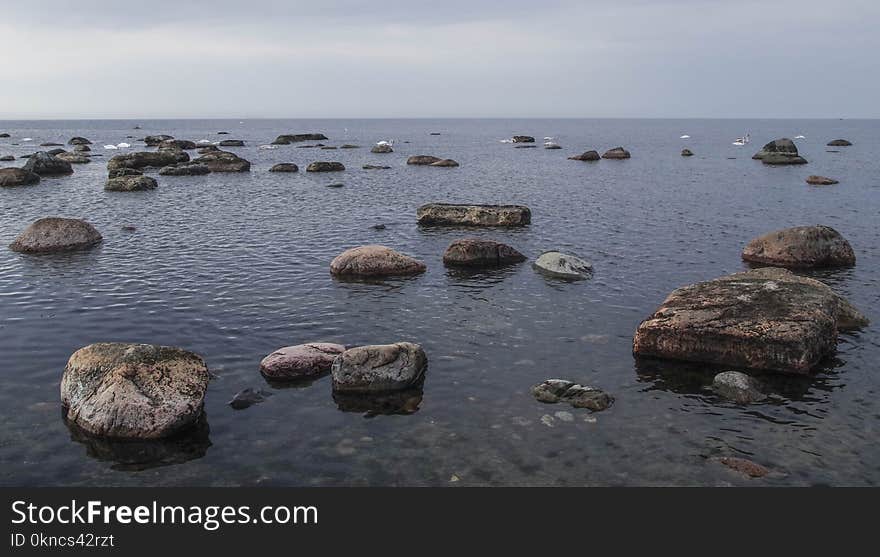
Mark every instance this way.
x=552 y=391
x=375 y=167
x=687 y=153
x=300 y=361
x=523 y=139
x=779 y=152
x=616 y=153
x=821 y=181
x=54 y=234
x=155 y=140
x=475 y=252
x=296 y=138
x=123 y=171
x=73 y=158
x=79 y=141
x=587 y=156
x=130 y=183
x=449 y=163
x=46 y=164
x=381 y=149
x=322 y=166
x=181 y=144
x=284 y=167
x=147 y=159
x=474 y=215
x=422 y=160
x=839 y=143
x=562 y=265
x=7 y=158
x=801 y=246
x=375 y=368
x=738 y=387
x=223 y=161
x=185 y=169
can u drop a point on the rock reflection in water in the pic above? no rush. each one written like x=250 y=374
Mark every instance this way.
x=143 y=454
x=380 y=404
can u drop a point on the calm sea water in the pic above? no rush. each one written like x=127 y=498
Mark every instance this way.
x=233 y=266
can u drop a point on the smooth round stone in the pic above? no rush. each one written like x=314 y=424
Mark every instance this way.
x=375 y=261
x=738 y=387
x=562 y=265
x=53 y=234
x=300 y=361
x=284 y=167
x=801 y=246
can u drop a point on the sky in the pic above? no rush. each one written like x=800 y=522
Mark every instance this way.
x=410 y=59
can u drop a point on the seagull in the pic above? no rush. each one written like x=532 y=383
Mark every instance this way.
x=27 y=139
x=685 y=137
x=204 y=141
x=267 y=147
x=111 y=147
x=800 y=137
x=123 y=145
x=384 y=143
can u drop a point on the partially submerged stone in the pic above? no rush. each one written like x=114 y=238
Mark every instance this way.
x=586 y=156
x=387 y=367
x=185 y=169
x=616 y=153
x=449 y=163
x=300 y=361
x=325 y=166
x=821 y=181
x=47 y=164
x=17 y=177
x=54 y=234
x=738 y=387
x=839 y=143
x=552 y=391
x=474 y=215
x=374 y=261
x=562 y=265
x=475 y=252
x=744 y=466
x=284 y=167
x=687 y=153
x=130 y=183
x=779 y=152
x=801 y=246
x=422 y=160
x=147 y=159
x=223 y=161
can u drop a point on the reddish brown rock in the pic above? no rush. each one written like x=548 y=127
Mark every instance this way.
x=474 y=215
x=300 y=361
x=474 y=252
x=53 y=234
x=801 y=246
x=744 y=466
x=374 y=261
x=821 y=181
x=616 y=153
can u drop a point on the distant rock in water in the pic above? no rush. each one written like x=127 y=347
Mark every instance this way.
x=523 y=139
x=284 y=167
x=381 y=149
x=207 y=149
x=73 y=158
x=296 y=138
x=46 y=164
x=136 y=391
x=616 y=153
x=475 y=252
x=155 y=140
x=79 y=141
x=378 y=368
x=147 y=159
x=474 y=215
x=839 y=143
x=738 y=387
x=130 y=183
x=185 y=169
x=336 y=185
x=222 y=133
x=81 y=149
x=801 y=246
x=328 y=148
x=55 y=152
x=300 y=361
x=232 y=143
x=422 y=160
x=7 y=158
x=374 y=261
x=123 y=171
x=561 y=265
x=375 y=167
x=4 y=135
x=349 y=146
x=54 y=234
x=224 y=161
x=322 y=166
x=687 y=153
x=445 y=162
x=821 y=181
x=552 y=391
x=183 y=144
x=779 y=152
x=179 y=154
x=587 y=156
x=10 y=177
x=527 y=146
x=50 y=144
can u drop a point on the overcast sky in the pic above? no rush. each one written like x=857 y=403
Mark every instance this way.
x=449 y=58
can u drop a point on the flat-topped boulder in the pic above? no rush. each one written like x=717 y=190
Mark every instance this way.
x=56 y=234
x=449 y=163
x=374 y=261
x=47 y=164
x=586 y=156
x=133 y=391
x=10 y=177
x=779 y=152
x=377 y=368
x=287 y=139
x=839 y=143
x=752 y=320
x=179 y=154
x=325 y=166
x=232 y=143
x=146 y=159
x=185 y=169
x=476 y=252
x=130 y=183
x=616 y=153
x=801 y=246
x=182 y=144
x=73 y=158
x=223 y=161
x=284 y=167
x=155 y=140
x=422 y=160
x=523 y=139
x=821 y=181
x=81 y=149
x=301 y=361
x=79 y=141
x=562 y=265
x=474 y=215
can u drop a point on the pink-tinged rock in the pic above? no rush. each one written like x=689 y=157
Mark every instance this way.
x=801 y=246
x=300 y=361
x=375 y=261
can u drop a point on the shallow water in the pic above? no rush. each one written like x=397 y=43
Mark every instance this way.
x=234 y=266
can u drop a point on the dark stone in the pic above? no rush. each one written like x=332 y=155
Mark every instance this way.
x=587 y=156
x=284 y=167
x=45 y=164
x=10 y=177
x=322 y=166
x=474 y=252
x=185 y=169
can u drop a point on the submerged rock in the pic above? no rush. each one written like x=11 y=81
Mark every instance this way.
x=474 y=215
x=387 y=367
x=616 y=153
x=322 y=166
x=224 y=161
x=801 y=246
x=53 y=234
x=130 y=183
x=284 y=167
x=375 y=261
x=738 y=387
x=561 y=265
x=155 y=140
x=7 y=158
x=137 y=391
x=349 y=146
x=46 y=164
x=474 y=252
x=586 y=156
x=744 y=466
x=753 y=320
x=246 y=398
x=10 y=177
x=821 y=181
x=375 y=167
x=123 y=171
x=779 y=152
x=445 y=162
x=422 y=160
x=300 y=361
x=839 y=143
x=552 y=391
x=73 y=158
x=232 y=143
x=182 y=144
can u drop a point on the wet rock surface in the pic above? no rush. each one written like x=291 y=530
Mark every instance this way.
x=562 y=265
x=552 y=391
x=130 y=183
x=474 y=215
x=323 y=166
x=374 y=261
x=10 y=177
x=738 y=387
x=300 y=361
x=56 y=234
x=475 y=252
x=801 y=247
x=376 y=368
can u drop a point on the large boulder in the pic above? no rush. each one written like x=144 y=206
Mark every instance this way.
x=296 y=138
x=185 y=169
x=130 y=183
x=562 y=265
x=387 y=367
x=224 y=161
x=474 y=252
x=474 y=215
x=46 y=164
x=17 y=177
x=137 y=391
x=322 y=166
x=81 y=149
x=182 y=144
x=523 y=139
x=779 y=152
x=300 y=361
x=374 y=261
x=821 y=181
x=801 y=246
x=123 y=171
x=839 y=143
x=753 y=320
x=79 y=141
x=179 y=154
x=284 y=167
x=155 y=140
x=146 y=159
x=587 y=156
x=616 y=153
x=53 y=234
x=422 y=160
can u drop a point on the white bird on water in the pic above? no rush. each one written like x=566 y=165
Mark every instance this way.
x=111 y=147
x=740 y=141
x=27 y=139
x=123 y=145
x=800 y=137
x=685 y=137
x=384 y=143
